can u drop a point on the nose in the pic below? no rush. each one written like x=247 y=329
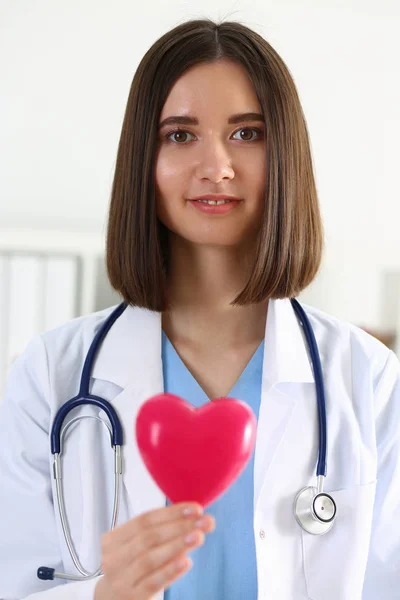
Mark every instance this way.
x=215 y=163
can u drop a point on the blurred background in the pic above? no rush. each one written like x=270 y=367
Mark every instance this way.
x=65 y=72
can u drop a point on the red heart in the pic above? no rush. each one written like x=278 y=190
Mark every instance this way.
x=195 y=454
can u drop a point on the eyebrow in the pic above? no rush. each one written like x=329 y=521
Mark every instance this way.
x=188 y=120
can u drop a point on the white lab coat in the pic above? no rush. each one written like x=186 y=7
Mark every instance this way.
x=358 y=559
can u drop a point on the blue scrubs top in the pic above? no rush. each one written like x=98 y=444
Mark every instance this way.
x=225 y=566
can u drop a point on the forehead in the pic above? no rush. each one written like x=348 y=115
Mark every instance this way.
x=221 y=86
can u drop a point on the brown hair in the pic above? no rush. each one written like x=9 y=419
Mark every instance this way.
x=291 y=234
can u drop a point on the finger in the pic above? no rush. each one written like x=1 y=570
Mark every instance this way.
x=166 y=532
x=163 y=578
x=125 y=532
x=158 y=558
x=123 y=558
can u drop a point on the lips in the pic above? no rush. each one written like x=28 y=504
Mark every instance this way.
x=209 y=201
x=214 y=209
x=215 y=197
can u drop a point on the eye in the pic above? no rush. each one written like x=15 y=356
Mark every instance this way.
x=183 y=132
x=254 y=129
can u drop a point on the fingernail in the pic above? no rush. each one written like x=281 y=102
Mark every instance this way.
x=193 y=510
x=201 y=522
x=191 y=538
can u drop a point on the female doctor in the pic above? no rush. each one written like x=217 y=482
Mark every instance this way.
x=213 y=113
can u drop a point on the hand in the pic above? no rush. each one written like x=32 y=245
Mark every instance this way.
x=148 y=553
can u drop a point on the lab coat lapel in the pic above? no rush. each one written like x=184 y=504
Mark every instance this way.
x=131 y=358
x=286 y=370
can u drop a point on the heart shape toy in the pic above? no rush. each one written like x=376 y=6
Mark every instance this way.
x=195 y=454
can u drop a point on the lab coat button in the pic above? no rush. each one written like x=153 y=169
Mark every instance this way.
x=262 y=534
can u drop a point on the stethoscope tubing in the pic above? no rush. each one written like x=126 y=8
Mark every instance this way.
x=319 y=384
x=83 y=396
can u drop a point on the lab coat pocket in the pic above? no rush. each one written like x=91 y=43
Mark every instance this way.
x=334 y=563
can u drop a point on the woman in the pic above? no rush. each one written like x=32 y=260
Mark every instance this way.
x=212 y=112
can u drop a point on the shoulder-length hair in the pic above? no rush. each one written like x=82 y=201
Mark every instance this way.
x=291 y=234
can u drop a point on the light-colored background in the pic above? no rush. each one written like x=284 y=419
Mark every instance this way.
x=65 y=72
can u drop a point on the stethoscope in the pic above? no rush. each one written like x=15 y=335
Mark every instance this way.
x=315 y=510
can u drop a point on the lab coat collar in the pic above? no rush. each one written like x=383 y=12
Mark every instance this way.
x=132 y=348
x=286 y=355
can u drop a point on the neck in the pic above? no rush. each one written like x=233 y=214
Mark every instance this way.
x=202 y=281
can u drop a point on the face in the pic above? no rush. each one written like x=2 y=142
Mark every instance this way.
x=212 y=156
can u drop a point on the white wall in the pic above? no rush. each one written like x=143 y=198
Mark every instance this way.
x=66 y=70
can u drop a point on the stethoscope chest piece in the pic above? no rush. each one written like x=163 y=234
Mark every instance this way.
x=315 y=512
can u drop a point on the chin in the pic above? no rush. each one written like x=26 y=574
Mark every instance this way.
x=214 y=239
